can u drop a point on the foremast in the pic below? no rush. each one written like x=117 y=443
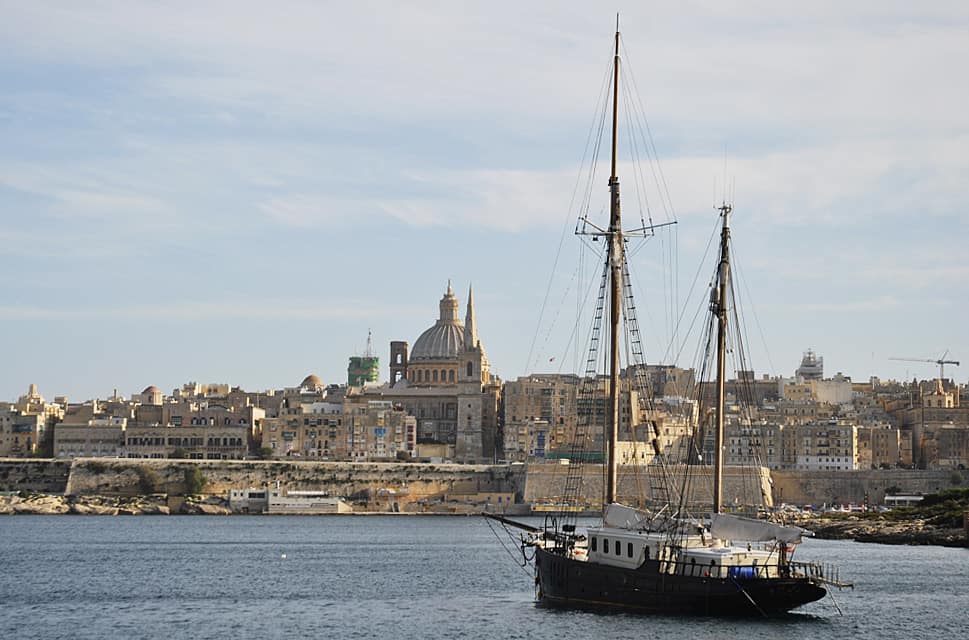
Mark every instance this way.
x=718 y=305
x=615 y=261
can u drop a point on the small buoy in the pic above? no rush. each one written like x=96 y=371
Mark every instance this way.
x=283 y=556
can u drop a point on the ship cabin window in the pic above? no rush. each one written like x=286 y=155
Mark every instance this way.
x=629 y=549
x=618 y=548
x=594 y=539
x=605 y=545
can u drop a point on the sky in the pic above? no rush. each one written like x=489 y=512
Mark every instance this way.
x=238 y=192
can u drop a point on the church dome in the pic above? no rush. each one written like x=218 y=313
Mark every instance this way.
x=440 y=342
x=312 y=382
x=151 y=389
x=445 y=340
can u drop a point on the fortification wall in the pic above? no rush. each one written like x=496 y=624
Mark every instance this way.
x=842 y=487
x=742 y=486
x=543 y=483
x=409 y=482
x=34 y=475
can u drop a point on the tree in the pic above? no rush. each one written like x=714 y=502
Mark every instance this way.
x=195 y=480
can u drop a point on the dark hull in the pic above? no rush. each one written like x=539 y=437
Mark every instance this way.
x=564 y=582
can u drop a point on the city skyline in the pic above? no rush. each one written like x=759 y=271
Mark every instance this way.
x=237 y=193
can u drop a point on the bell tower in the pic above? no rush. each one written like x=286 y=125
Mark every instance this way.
x=398 y=361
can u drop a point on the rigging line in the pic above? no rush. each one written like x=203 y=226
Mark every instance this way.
x=578 y=321
x=659 y=178
x=602 y=108
x=565 y=228
x=665 y=187
x=679 y=348
x=652 y=157
x=594 y=161
x=646 y=400
x=753 y=308
x=642 y=197
x=543 y=350
x=504 y=545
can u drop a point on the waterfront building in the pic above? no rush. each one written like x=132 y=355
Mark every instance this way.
x=539 y=414
x=191 y=429
x=831 y=445
x=95 y=438
x=24 y=424
x=338 y=423
x=20 y=433
x=879 y=447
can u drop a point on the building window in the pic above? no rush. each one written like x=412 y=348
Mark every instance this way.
x=435 y=375
x=470 y=369
x=450 y=375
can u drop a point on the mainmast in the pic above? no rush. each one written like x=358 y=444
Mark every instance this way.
x=718 y=305
x=615 y=257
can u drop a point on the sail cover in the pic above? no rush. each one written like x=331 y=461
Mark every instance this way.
x=622 y=517
x=729 y=527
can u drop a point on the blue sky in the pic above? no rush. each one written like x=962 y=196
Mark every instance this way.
x=236 y=192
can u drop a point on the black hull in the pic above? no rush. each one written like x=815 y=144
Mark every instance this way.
x=564 y=582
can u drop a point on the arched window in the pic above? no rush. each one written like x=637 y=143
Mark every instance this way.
x=443 y=375
x=470 y=369
x=435 y=375
x=450 y=375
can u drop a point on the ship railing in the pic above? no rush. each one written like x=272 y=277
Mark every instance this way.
x=700 y=570
x=824 y=573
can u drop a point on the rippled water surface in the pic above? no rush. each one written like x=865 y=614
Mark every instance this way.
x=392 y=577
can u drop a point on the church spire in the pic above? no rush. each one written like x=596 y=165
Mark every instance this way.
x=470 y=326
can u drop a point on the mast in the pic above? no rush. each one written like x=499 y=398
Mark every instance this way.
x=718 y=305
x=615 y=258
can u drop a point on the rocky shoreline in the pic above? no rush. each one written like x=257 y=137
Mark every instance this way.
x=883 y=531
x=825 y=527
x=150 y=505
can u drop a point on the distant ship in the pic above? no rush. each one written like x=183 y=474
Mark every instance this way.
x=662 y=561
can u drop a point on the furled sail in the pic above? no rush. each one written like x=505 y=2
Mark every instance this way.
x=730 y=527
x=622 y=517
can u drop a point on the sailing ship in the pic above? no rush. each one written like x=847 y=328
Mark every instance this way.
x=661 y=560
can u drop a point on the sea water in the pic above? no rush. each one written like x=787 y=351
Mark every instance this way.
x=394 y=577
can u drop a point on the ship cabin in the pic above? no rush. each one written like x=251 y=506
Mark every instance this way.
x=625 y=548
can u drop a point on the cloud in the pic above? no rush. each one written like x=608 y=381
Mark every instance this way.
x=255 y=309
x=864 y=305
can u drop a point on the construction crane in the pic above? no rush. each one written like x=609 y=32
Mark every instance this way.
x=941 y=362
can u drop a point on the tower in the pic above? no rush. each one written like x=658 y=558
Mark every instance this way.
x=398 y=361
x=365 y=368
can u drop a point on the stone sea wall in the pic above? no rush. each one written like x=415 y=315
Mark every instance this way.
x=132 y=477
x=533 y=483
x=35 y=476
x=635 y=484
x=843 y=487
